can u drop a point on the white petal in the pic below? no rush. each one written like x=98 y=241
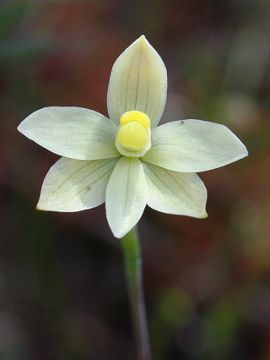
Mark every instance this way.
x=73 y=132
x=175 y=193
x=126 y=196
x=74 y=185
x=138 y=82
x=193 y=146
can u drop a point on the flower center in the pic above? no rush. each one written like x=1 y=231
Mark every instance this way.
x=133 y=137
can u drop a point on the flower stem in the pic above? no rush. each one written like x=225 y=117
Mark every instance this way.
x=133 y=268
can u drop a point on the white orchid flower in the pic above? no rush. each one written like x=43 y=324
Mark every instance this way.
x=127 y=161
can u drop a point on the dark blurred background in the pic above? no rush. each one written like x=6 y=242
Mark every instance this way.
x=62 y=285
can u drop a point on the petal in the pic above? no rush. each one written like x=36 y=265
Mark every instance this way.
x=73 y=132
x=126 y=196
x=138 y=82
x=193 y=146
x=175 y=193
x=74 y=185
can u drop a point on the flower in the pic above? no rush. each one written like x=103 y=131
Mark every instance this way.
x=128 y=161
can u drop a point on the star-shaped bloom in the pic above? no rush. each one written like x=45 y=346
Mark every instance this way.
x=126 y=160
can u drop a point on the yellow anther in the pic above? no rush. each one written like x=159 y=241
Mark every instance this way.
x=132 y=136
x=135 y=116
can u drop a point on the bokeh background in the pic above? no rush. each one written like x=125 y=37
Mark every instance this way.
x=62 y=285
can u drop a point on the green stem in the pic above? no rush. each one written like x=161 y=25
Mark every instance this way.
x=133 y=268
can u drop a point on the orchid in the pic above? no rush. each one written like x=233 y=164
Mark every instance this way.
x=127 y=160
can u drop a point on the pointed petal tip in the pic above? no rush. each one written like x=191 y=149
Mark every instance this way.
x=39 y=207
x=242 y=153
x=20 y=128
x=142 y=42
x=143 y=39
x=42 y=207
x=245 y=151
x=200 y=214
x=242 y=150
x=119 y=234
x=203 y=216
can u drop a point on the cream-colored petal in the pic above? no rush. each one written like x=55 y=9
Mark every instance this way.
x=126 y=196
x=74 y=185
x=194 y=146
x=175 y=193
x=138 y=82
x=72 y=132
